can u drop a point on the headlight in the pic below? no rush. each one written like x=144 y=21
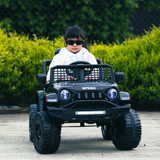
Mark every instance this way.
x=112 y=93
x=65 y=95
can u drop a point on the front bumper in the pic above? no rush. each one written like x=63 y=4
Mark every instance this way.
x=70 y=115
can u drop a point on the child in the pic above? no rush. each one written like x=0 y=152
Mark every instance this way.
x=76 y=49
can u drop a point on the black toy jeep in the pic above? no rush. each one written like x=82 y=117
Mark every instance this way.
x=82 y=93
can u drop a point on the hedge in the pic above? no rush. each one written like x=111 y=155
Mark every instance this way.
x=138 y=57
x=103 y=20
x=20 y=61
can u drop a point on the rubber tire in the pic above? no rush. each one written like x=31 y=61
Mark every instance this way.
x=127 y=131
x=32 y=114
x=46 y=133
x=107 y=131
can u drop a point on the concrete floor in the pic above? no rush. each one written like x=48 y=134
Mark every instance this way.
x=77 y=142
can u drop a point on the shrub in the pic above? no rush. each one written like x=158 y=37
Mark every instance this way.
x=20 y=61
x=103 y=20
x=138 y=57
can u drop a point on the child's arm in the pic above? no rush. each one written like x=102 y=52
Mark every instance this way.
x=57 y=60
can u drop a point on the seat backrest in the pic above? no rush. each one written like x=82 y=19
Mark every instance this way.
x=47 y=62
x=57 y=51
x=99 y=61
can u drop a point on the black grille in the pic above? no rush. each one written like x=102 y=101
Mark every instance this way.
x=82 y=73
x=89 y=96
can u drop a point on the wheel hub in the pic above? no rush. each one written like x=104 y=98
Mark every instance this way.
x=38 y=133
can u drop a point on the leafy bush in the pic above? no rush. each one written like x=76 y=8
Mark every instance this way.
x=103 y=20
x=20 y=61
x=138 y=57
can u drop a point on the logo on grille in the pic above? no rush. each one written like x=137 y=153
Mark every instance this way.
x=89 y=88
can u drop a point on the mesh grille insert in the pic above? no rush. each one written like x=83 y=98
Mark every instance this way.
x=82 y=73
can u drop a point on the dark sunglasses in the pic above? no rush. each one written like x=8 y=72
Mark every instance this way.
x=71 y=42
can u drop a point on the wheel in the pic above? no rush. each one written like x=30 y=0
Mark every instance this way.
x=107 y=131
x=46 y=133
x=127 y=131
x=32 y=114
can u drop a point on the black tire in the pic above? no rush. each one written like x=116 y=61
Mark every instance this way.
x=107 y=131
x=32 y=114
x=46 y=133
x=127 y=131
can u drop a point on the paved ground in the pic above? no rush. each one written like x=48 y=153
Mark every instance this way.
x=77 y=142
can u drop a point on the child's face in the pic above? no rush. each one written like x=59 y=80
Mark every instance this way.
x=75 y=47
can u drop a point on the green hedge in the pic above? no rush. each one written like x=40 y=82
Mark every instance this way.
x=138 y=57
x=20 y=61
x=102 y=20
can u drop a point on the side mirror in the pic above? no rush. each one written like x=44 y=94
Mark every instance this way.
x=119 y=76
x=41 y=78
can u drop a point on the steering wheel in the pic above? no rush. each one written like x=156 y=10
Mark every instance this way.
x=71 y=72
x=79 y=62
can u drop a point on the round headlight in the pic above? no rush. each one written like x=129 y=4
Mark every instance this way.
x=112 y=93
x=65 y=95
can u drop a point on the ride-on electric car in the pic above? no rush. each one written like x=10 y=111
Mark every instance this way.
x=82 y=93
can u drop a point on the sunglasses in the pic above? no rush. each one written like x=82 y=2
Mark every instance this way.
x=71 y=42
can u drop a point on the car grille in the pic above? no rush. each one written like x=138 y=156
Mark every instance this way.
x=89 y=96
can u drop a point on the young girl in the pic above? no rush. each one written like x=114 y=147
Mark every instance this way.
x=76 y=49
